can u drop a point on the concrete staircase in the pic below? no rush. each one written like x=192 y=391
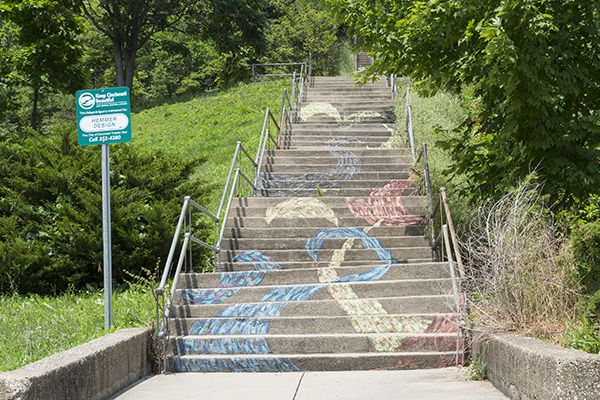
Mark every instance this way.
x=330 y=269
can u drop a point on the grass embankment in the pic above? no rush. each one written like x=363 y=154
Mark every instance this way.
x=207 y=125
x=33 y=327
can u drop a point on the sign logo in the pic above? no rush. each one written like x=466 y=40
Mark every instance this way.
x=86 y=101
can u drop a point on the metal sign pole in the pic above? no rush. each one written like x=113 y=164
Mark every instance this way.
x=108 y=312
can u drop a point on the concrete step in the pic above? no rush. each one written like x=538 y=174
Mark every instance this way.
x=268 y=245
x=259 y=202
x=385 y=118
x=430 y=270
x=293 y=165
x=329 y=177
x=303 y=141
x=362 y=127
x=303 y=232
x=429 y=304
x=312 y=343
x=311 y=362
x=398 y=254
x=378 y=209
x=332 y=214
x=382 y=154
x=235 y=222
x=341 y=180
x=312 y=292
x=342 y=192
x=227 y=266
x=301 y=173
x=324 y=325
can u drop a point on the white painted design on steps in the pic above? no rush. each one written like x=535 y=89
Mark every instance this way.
x=326 y=108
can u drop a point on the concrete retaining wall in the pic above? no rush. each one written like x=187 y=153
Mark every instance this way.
x=525 y=369
x=94 y=370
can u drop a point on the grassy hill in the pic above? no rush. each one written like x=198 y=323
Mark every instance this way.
x=208 y=126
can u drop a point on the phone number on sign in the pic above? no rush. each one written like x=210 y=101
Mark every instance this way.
x=105 y=138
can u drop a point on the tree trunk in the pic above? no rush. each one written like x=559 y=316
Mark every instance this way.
x=129 y=68
x=119 y=70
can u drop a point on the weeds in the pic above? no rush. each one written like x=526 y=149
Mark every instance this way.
x=518 y=276
x=477 y=369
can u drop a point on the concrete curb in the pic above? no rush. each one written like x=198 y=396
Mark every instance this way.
x=94 y=370
x=524 y=368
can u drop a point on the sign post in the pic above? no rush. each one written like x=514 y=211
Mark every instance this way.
x=104 y=117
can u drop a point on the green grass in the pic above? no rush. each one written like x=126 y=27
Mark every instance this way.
x=209 y=126
x=33 y=327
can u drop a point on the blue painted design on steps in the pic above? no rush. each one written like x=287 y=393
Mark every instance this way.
x=292 y=293
x=368 y=242
x=348 y=165
x=228 y=286
x=250 y=345
x=229 y=326
x=237 y=364
x=259 y=261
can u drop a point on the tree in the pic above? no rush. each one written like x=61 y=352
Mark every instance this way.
x=299 y=29
x=131 y=24
x=46 y=50
x=533 y=65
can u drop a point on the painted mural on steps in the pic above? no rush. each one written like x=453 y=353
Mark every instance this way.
x=347 y=167
x=384 y=206
x=367 y=315
x=328 y=109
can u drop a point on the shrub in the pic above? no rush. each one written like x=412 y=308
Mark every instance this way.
x=51 y=210
x=586 y=251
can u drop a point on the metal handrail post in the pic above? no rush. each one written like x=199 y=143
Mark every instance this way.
x=262 y=144
x=428 y=187
x=237 y=149
x=165 y=275
x=235 y=180
x=452 y=232
x=409 y=128
x=281 y=117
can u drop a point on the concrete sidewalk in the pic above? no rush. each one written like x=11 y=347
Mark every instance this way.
x=432 y=384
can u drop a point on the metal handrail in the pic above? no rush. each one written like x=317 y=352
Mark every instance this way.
x=262 y=145
x=185 y=223
x=447 y=233
x=254 y=74
x=409 y=126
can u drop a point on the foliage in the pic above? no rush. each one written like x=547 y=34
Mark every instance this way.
x=585 y=242
x=33 y=327
x=46 y=48
x=302 y=28
x=533 y=65
x=50 y=210
x=176 y=64
x=584 y=336
x=233 y=26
